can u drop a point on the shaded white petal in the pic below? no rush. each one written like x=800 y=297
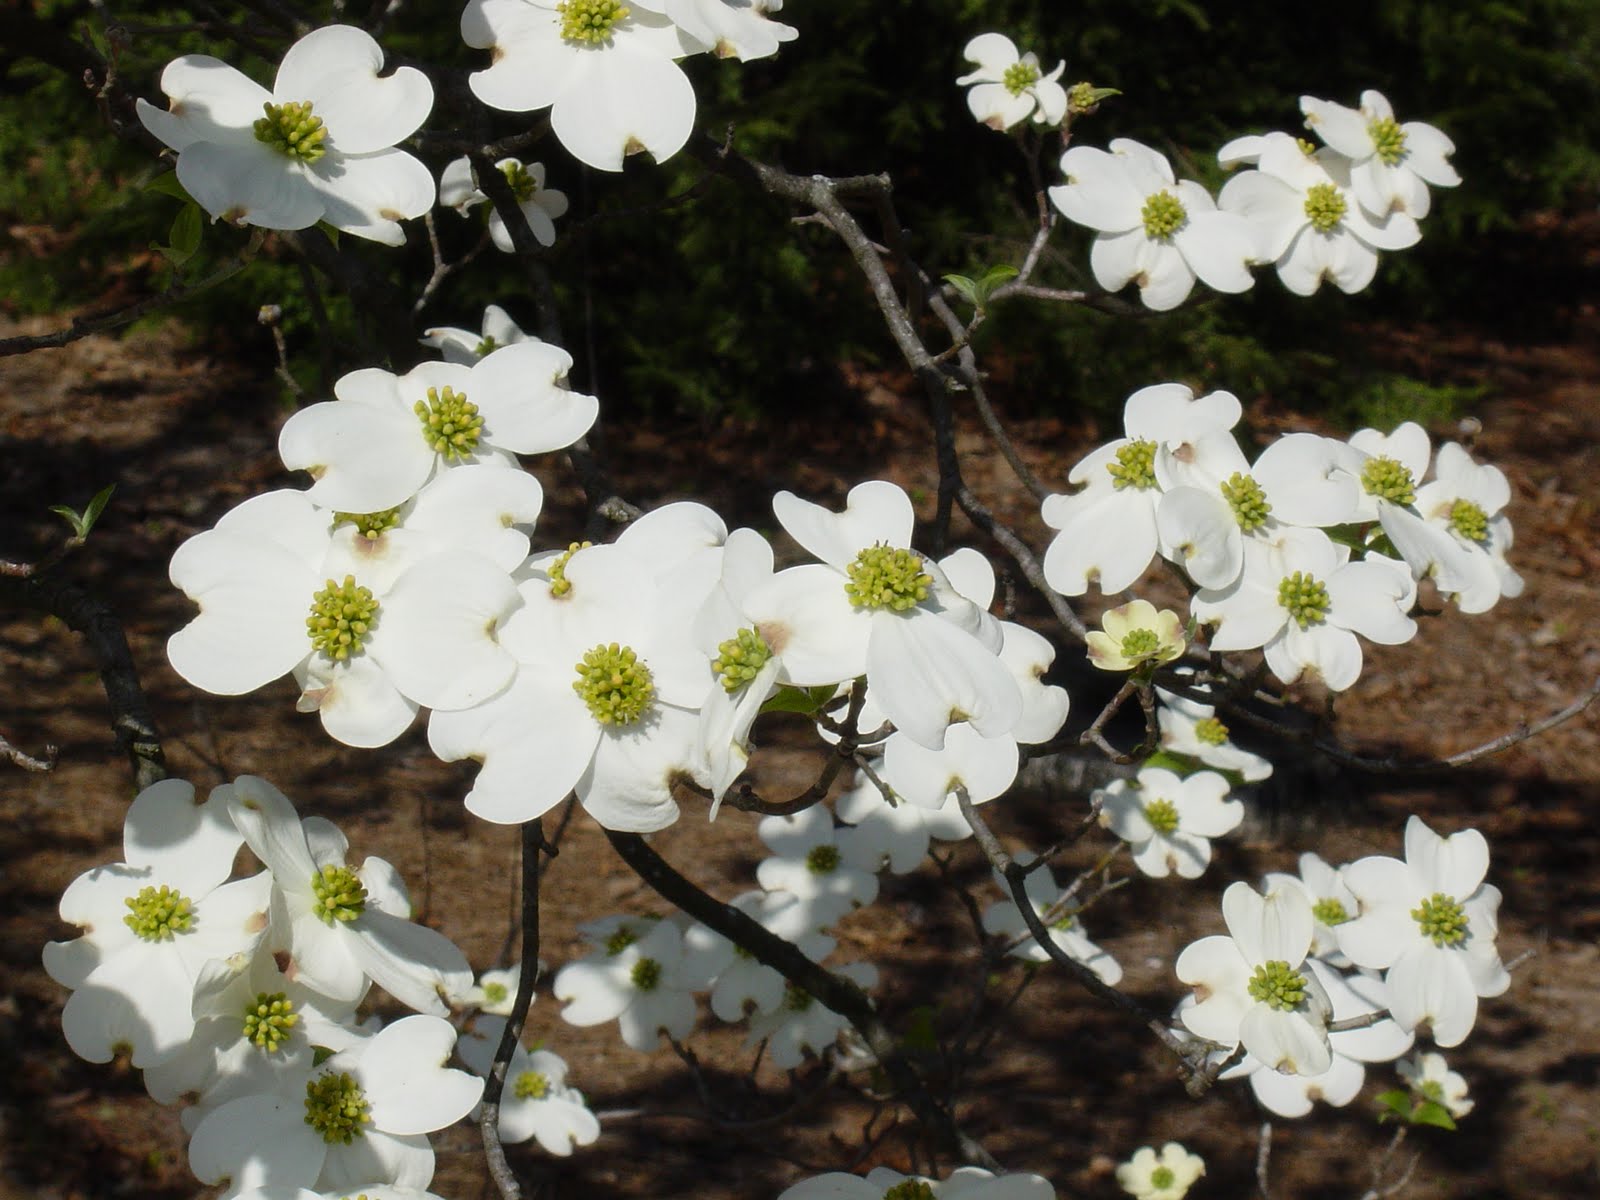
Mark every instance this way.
x=369 y=194
x=336 y=69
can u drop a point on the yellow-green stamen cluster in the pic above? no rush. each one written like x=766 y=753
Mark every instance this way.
x=157 y=913
x=341 y=617
x=1163 y=215
x=589 y=22
x=1250 y=505
x=822 y=860
x=1305 y=597
x=338 y=894
x=495 y=993
x=1211 y=731
x=1162 y=1178
x=1470 y=521
x=291 y=130
x=1325 y=207
x=1330 y=911
x=1307 y=147
x=1388 y=140
x=796 y=999
x=530 y=1085
x=1442 y=919
x=1135 y=466
x=1389 y=480
x=269 y=1020
x=646 y=975
x=1064 y=924
x=617 y=688
x=620 y=941
x=371 y=525
x=522 y=185
x=1140 y=644
x=1019 y=77
x=740 y=659
x=909 y=1189
x=1162 y=815
x=1278 y=985
x=884 y=577
x=337 y=1108
x=486 y=347
x=450 y=423
x=559 y=584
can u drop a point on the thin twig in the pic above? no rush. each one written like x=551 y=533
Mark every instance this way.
x=1263 y=1160
x=27 y=761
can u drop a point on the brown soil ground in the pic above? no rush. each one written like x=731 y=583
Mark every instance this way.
x=1066 y=1087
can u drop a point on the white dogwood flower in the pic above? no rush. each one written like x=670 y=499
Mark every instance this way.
x=320 y=146
x=465 y=347
x=536 y=1101
x=1391 y=164
x=741 y=29
x=1169 y=822
x=643 y=985
x=1151 y=229
x=1430 y=1077
x=803 y=1023
x=1009 y=87
x=1167 y=1176
x=1060 y=915
x=606 y=70
x=540 y=206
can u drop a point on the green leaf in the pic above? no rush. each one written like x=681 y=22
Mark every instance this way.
x=167 y=184
x=993 y=278
x=186 y=229
x=1429 y=1113
x=333 y=234
x=793 y=699
x=1396 y=1103
x=83 y=522
x=968 y=288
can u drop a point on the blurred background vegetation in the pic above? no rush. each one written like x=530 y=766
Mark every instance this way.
x=718 y=304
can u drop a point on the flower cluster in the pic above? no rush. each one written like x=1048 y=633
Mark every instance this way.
x=1385 y=946
x=241 y=997
x=1296 y=554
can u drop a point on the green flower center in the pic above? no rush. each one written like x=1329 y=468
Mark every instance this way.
x=1135 y=466
x=620 y=941
x=1305 y=597
x=1470 y=521
x=882 y=577
x=341 y=617
x=486 y=347
x=269 y=1019
x=615 y=685
x=1162 y=1177
x=1278 y=985
x=1064 y=924
x=909 y=1189
x=589 y=22
x=1441 y=919
x=646 y=975
x=1140 y=644
x=1325 y=207
x=1019 y=77
x=1162 y=815
x=796 y=999
x=156 y=914
x=371 y=525
x=822 y=860
x=1431 y=1089
x=1388 y=480
x=1211 y=731
x=522 y=185
x=1330 y=912
x=1388 y=140
x=292 y=131
x=530 y=1085
x=339 y=895
x=336 y=1108
x=1250 y=505
x=559 y=584
x=450 y=423
x=740 y=659
x=495 y=993
x=1163 y=215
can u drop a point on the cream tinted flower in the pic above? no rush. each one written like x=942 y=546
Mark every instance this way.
x=320 y=146
x=1136 y=637
x=1167 y=1176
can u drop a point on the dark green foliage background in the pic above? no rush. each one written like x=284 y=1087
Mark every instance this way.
x=721 y=304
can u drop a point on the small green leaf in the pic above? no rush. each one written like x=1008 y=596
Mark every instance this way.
x=1396 y=1103
x=968 y=288
x=186 y=229
x=1429 y=1113
x=992 y=279
x=792 y=699
x=167 y=184
x=83 y=522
